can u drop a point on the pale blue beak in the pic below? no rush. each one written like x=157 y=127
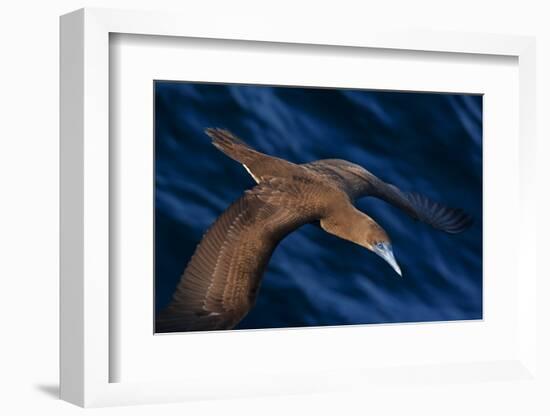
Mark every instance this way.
x=385 y=251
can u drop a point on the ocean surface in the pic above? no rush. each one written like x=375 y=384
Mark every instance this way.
x=424 y=142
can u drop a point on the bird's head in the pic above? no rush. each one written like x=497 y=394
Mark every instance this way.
x=357 y=227
x=377 y=241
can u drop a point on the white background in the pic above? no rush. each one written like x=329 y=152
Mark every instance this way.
x=29 y=209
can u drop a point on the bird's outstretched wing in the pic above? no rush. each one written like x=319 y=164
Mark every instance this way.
x=221 y=281
x=358 y=182
x=422 y=208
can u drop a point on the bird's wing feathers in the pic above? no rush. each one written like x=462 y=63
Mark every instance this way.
x=220 y=283
x=422 y=208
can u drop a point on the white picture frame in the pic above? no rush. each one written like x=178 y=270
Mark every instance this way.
x=85 y=213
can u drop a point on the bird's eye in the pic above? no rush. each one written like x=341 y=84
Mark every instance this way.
x=380 y=245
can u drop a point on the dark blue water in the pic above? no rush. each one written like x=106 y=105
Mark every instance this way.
x=429 y=143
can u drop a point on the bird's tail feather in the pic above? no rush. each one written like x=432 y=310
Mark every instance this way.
x=232 y=146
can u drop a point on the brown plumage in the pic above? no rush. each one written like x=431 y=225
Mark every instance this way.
x=221 y=281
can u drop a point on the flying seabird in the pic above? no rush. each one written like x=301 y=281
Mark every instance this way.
x=221 y=281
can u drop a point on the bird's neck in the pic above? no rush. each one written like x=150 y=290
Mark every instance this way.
x=348 y=223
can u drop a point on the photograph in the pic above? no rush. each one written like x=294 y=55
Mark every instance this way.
x=288 y=206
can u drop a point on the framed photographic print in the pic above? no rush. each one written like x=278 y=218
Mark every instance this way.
x=318 y=201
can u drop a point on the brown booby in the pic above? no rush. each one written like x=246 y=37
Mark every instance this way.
x=221 y=281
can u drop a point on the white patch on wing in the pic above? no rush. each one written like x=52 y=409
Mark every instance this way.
x=251 y=174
